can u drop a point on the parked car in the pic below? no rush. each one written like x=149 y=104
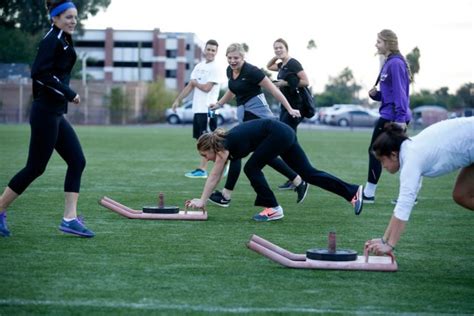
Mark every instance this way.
x=184 y=114
x=325 y=113
x=426 y=115
x=353 y=117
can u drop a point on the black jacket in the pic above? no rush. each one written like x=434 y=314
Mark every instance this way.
x=51 y=71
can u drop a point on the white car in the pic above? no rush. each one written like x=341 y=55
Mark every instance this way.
x=184 y=114
x=353 y=117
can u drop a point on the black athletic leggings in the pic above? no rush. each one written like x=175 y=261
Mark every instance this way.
x=375 y=167
x=50 y=131
x=236 y=165
x=282 y=142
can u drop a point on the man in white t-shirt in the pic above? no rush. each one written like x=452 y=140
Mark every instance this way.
x=204 y=83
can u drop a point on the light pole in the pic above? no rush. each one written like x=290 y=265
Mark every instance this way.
x=84 y=57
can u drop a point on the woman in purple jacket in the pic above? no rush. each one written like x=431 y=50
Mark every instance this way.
x=394 y=79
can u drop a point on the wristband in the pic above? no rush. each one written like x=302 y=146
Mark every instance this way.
x=386 y=243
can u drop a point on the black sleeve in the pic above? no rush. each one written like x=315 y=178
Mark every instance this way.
x=49 y=53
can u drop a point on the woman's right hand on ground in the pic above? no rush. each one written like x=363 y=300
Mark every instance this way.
x=195 y=203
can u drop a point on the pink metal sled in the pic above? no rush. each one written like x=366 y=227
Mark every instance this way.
x=137 y=214
x=300 y=261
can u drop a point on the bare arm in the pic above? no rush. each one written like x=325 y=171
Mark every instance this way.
x=267 y=84
x=228 y=95
x=211 y=182
x=183 y=94
x=390 y=239
x=272 y=64
x=205 y=87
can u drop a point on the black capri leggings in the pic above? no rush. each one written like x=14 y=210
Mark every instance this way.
x=375 y=167
x=50 y=131
x=282 y=142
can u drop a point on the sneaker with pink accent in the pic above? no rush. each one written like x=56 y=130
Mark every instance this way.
x=358 y=201
x=269 y=214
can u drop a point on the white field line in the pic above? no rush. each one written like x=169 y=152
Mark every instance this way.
x=156 y=305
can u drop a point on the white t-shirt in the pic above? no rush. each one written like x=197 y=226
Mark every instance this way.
x=437 y=150
x=204 y=73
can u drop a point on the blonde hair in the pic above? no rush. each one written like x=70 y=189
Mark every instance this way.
x=391 y=40
x=212 y=141
x=235 y=47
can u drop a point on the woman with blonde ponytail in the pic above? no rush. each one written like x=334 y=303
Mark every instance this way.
x=393 y=94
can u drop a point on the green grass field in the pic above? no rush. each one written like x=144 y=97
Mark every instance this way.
x=137 y=267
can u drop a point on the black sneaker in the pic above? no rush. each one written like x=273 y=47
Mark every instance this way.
x=288 y=185
x=368 y=199
x=219 y=199
x=301 y=191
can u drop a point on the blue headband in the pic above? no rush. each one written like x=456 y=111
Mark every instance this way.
x=61 y=8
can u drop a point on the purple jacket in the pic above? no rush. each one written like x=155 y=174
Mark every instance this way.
x=394 y=90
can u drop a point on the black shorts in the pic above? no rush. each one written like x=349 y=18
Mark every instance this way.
x=199 y=124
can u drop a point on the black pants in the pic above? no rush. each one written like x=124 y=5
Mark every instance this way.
x=289 y=120
x=236 y=165
x=375 y=167
x=50 y=131
x=282 y=142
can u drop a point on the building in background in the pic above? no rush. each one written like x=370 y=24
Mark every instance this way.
x=128 y=55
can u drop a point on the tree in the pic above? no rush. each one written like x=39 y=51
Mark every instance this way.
x=245 y=47
x=156 y=101
x=343 y=88
x=413 y=60
x=17 y=47
x=31 y=16
x=311 y=44
x=465 y=95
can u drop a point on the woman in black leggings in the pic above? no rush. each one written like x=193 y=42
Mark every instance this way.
x=245 y=84
x=49 y=128
x=267 y=139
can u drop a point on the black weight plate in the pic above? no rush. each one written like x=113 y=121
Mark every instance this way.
x=324 y=254
x=161 y=210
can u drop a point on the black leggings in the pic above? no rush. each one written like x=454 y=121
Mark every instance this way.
x=284 y=144
x=50 y=131
x=375 y=167
x=236 y=165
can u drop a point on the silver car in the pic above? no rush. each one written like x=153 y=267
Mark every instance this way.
x=353 y=117
x=184 y=114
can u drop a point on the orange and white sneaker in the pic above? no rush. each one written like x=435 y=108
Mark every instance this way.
x=269 y=214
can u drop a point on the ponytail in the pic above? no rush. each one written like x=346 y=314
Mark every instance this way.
x=212 y=141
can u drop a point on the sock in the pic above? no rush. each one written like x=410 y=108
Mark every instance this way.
x=68 y=219
x=369 y=189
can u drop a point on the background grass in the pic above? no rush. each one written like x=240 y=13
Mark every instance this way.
x=136 y=267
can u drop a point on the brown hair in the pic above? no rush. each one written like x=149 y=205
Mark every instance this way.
x=281 y=40
x=391 y=39
x=389 y=141
x=212 y=141
x=212 y=42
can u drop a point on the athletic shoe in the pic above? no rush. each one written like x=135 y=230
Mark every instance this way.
x=288 y=185
x=268 y=214
x=368 y=199
x=358 y=201
x=196 y=174
x=219 y=199
x=394 y=201
x=75 y=227
x=301 y=190
x=4 y=232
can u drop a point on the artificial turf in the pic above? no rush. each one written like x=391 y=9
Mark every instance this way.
x=137 y=267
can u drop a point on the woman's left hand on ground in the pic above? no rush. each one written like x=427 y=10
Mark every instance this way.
x=194 y=203
x=377 y=246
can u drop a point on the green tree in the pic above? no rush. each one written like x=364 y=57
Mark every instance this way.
x=156 y=101
x=17 y=46
x=413 y=60
x=465 y=95
x=118 y=105
x=31 y=16
x=340 y=89
x=311 y=44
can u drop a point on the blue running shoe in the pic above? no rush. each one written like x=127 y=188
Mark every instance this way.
x=196 y=174
x=4 y=232
x=75 y=227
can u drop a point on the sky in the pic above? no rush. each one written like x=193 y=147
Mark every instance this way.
x=344 y=31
